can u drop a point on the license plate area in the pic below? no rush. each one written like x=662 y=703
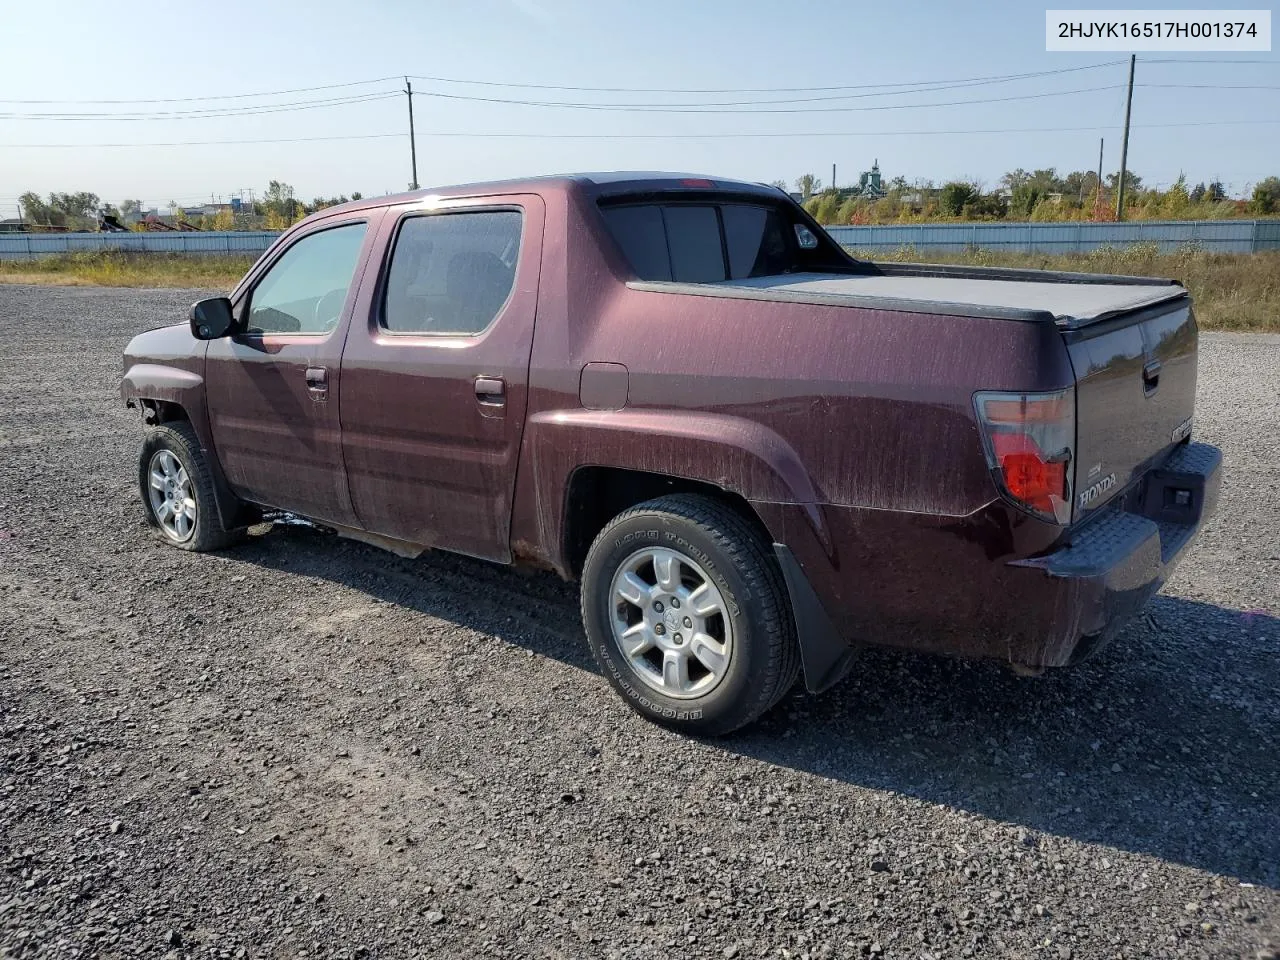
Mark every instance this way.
x=1171 y=496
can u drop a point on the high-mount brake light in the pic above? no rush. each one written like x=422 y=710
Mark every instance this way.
x=697 y=182
x=1029 y=439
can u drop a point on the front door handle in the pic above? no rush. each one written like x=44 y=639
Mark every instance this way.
x=318 y=382
x=491 y=391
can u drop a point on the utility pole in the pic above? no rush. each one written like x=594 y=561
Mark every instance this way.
x=833 y=176
x=413 y=146
x=1097 y=204
x=1124 y=144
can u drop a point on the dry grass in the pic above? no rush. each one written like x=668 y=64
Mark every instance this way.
x=1232 y=291
x=117 y=269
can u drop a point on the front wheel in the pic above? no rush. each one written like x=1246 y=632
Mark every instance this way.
x=177 y=489
x=687 y=615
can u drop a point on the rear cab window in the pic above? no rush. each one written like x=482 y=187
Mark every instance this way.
x=714 y=240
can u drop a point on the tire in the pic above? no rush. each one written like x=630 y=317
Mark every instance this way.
x=172 y=452
x=738 y=661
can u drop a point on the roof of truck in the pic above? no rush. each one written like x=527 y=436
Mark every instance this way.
x=599 y=183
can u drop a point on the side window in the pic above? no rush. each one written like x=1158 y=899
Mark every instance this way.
x=693 y=235
x=451 y=272
x=643 y=237
x=757 y=241
x=304 y=291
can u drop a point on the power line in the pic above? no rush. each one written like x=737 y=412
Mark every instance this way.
x=210 y=113
x=695 y=109
x=642 y=136
x=222 y=96
x=866 y=86
x=257 y=110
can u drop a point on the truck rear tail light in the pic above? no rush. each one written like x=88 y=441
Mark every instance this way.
x=1029 y=440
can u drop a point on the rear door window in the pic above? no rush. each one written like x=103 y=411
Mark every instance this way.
x=451 y=273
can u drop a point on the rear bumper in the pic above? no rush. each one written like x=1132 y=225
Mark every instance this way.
x=948 y=585
x=1113 y=566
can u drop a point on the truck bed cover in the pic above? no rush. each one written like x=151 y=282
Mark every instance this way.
x=1067 y=302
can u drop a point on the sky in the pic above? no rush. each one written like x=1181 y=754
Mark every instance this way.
x=883 y=58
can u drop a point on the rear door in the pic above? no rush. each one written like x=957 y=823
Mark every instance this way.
x=273 y=387
x=1135 y=396
x=435 y=378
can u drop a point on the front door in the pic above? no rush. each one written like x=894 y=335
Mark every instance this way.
x=435 y=379
x=273 y=387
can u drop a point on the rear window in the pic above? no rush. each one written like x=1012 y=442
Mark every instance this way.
x=705 y=242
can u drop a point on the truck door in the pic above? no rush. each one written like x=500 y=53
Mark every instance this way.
x=272 y=388
x=435 y=378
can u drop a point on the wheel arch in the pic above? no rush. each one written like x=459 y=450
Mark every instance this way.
x=166 y=393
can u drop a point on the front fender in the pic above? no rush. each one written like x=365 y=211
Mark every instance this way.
x=185 y=389
x=154 y=381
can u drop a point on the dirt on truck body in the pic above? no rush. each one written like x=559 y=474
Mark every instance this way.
x=757 y=454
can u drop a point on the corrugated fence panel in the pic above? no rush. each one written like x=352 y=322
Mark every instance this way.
x=25 y=246
x=1219 y=236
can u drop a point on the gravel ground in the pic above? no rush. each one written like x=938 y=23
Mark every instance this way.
x=307 y=747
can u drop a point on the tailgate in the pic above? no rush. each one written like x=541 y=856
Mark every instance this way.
x=1135 y=395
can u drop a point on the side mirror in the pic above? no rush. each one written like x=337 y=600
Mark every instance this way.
x=212 y=319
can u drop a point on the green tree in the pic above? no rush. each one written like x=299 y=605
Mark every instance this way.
x=357 y=195
x=1132 y=182
x=1199 y=192
x=1177 y=202
x=780 y=184
x=808 y=185
x=955 y=195
x=1266 y=196
x=1217 y=192
x=38 y=213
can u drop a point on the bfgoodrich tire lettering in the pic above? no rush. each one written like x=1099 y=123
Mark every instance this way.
x=697 y=550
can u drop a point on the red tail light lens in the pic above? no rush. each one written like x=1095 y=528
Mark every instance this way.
x=1028 y=440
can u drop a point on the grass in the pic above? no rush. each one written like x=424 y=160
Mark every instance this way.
x=1231 y=291
x=119 y=269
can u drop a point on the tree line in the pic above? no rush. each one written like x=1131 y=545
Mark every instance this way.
x=1038 y=195
x=278 y=208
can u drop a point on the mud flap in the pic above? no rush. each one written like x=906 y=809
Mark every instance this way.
x=825 y=655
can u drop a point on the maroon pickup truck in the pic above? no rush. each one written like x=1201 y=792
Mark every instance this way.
x=756 y=453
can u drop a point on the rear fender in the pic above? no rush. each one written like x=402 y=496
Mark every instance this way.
x=733 y=454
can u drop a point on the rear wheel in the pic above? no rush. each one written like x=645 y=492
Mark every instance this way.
x=177 y=489
x=687 y=615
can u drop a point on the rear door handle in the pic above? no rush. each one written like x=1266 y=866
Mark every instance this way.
x=318 y=382
x=491 y=391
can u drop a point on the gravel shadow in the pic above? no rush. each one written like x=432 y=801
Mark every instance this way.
x=1164 y=744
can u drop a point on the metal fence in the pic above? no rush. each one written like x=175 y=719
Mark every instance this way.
x=1218 y=236
x=27 y=246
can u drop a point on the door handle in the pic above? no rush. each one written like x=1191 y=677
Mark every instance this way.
x=1151 y=377
x=318 y=382
x=491 y=391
